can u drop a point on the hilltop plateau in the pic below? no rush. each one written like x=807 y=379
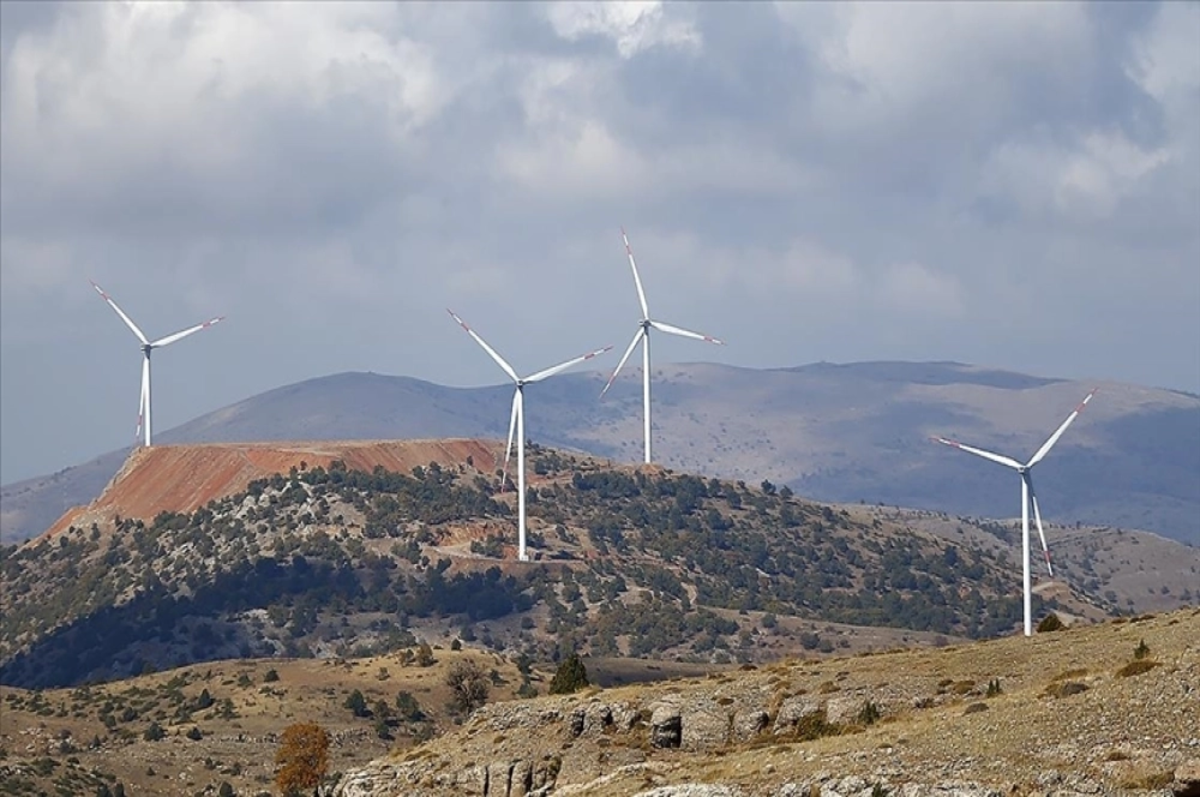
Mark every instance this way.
x=844 y=433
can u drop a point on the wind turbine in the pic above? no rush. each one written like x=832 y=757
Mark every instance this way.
x=643 y=335
x=147 y=347
x=1027 y=496
x=516 y=421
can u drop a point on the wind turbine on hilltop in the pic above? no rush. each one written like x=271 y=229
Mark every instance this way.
x=147 y=347
x=643 y=335
x=1027 y=496
x=516 y=422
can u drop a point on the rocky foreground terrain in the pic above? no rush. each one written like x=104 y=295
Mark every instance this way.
x=1104 y=709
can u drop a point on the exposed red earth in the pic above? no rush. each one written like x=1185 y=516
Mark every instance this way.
x=186 y=477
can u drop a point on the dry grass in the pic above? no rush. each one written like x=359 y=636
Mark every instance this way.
x=241 y=747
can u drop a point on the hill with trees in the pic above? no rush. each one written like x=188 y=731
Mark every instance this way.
x=629 y=563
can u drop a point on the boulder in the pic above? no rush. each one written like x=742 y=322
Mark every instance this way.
x=748 y=723
x=705 y=726
x=792 y=711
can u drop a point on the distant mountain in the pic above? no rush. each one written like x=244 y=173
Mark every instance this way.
x=845 y=433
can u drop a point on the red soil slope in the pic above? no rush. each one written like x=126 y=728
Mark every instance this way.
x=185 y=478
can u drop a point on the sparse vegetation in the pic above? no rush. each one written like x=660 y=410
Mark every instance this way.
x=1136 y=667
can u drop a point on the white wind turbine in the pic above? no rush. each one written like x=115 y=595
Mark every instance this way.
x=147 y=347
x=516 y=422
x=1027 y=496
x=643 y=335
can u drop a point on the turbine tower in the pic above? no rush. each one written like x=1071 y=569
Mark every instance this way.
x=147 y=347
x=516 y=421
x=1028 y=496
x=643 y=335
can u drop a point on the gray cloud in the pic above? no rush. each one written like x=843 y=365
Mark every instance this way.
x=995 y=183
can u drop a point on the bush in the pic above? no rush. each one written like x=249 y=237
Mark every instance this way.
x=408 y=708
x=1050 y=623
x=154 y=732
x=469 y=685
x=302 y=758
x=357 y=704
x=1136 y=667
x=270 y=676
x=194 y=734
x=868 y=714
x=1142 y=650
x=571 y=676
x=993 y=688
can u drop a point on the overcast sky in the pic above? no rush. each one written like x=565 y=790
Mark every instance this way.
x=1013 y=185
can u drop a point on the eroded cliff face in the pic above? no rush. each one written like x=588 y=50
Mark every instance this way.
x=991 y=718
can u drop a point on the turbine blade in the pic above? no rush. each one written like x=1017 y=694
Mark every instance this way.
x=636 y=279
x=169 y=339
x=128 y=321
x=979 y=452
x=491 y=352
x=632 y=345
x=512 y=430
x=540 y=375
x=1045 y=449
x=673 y=330
x=1037 y=518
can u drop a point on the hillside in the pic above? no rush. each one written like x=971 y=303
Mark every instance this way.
x=1069 y=712
x=845 y=433
x=1072 y=712
x=329 y=560
x=73 y=741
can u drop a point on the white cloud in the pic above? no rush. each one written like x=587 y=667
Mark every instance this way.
x=634 y=25
x=1085 y=181
x=853 y=176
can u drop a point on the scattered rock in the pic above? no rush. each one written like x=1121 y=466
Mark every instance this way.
x=691 y=790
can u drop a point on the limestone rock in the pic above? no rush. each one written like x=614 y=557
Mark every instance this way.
x=705 y=726
x=748 y=723
x=792 y=711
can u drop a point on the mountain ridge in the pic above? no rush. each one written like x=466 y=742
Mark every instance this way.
x=835 y=432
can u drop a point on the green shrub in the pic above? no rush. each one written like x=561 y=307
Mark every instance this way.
x=1050 y=623
x=1142 y=650
x=571 y=676
x=868 y=714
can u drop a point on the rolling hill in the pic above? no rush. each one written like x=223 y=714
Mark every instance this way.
x=844 y=433
x=209 y=552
